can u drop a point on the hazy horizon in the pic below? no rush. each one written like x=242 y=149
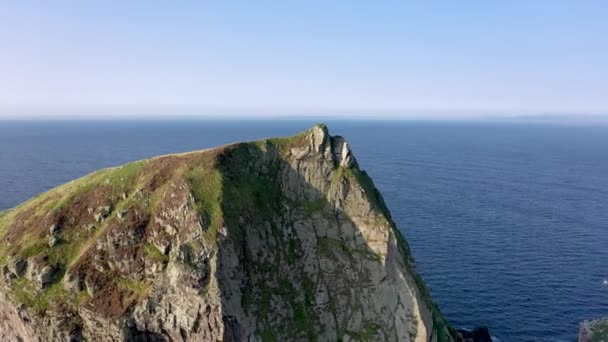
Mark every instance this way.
x=320 y=116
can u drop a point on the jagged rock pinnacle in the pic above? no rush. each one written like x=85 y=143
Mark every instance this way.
x=334 y=148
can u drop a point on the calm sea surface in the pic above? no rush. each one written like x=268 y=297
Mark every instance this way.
x=508 y=222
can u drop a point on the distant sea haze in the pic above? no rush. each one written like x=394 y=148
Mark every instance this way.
x=508 y=222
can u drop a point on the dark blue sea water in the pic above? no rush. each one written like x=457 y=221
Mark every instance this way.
x=508 y=222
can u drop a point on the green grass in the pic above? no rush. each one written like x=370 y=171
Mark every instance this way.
x=300 y=317
x=342 y=172
x=285 y=288
x=367 y=254
x=292 y=253
x=65 y=193
x=5 y=222
x=327 y=246
x=600 y=332
x=285 y=144
x=305 y=320
x=268 y=336
x=309 y=291
x=32 y=246
x=72 y=239
x=67 y=251
x=249 y=191
x=138 y=288
x=122 y=177
x=154 y=254
x=370 y=331
x=76 y=187
x=244 y=189
x=304 y=316
x=40 y=300
x=314 y=205
x=206 y=187
x=67 y=199
x=256 y=191
x=23 y=291
x=265 y=300
x=298 y=294
x=62 y=254
x=39 y=198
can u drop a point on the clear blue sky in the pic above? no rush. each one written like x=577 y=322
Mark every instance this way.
x=328 y=57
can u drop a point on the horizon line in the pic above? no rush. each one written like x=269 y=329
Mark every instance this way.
x=305 y=114
x=593 y=119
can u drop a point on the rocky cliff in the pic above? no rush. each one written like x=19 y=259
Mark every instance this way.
x=281 y=239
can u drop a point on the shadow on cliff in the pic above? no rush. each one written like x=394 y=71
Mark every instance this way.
x=264 y=221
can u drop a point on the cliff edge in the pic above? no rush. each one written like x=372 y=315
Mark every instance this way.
x=282 y=239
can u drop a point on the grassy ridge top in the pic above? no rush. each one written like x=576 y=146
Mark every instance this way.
x=60 y=227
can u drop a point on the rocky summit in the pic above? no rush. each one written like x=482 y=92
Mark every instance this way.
x=283 y=239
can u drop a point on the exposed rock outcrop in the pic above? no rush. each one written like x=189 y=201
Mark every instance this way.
x=479 y=334
x=594 y=330
x=273 y=240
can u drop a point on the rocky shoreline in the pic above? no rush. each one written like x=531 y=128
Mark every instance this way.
x=595 y=330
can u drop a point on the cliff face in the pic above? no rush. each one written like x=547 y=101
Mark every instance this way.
x=275 y=240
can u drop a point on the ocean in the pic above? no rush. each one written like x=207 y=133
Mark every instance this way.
x=508 y=222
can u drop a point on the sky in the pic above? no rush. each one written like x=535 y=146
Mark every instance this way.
x=255 y=58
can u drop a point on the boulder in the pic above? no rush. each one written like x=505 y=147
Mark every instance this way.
x=47 y=275
x=73 y=282
x=53 y=241
x=594 y=330
x=18 y=266
x=479 y=334
x=121 y=213
x=102 y=213
x=54 y=229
